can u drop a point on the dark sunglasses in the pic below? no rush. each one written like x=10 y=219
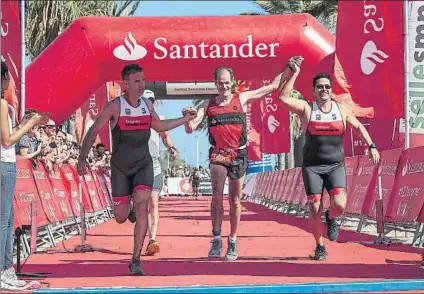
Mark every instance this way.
x=321 y=87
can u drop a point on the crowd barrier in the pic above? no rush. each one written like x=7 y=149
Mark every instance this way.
x=183 y=187
x=53 y=197
x=401 y=175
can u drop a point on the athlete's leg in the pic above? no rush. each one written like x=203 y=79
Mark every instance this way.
x=142 y=183
x=153 y=215
x=218 y=177
x=314 y=188
x=121 y=193
x=336 y=184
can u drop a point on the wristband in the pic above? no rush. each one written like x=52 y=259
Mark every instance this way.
x=372 y=146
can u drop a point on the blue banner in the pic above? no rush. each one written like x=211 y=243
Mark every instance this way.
x=265 y=165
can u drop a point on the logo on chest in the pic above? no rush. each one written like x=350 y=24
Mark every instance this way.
x=127 y=111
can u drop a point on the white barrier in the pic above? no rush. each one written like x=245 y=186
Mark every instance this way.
x=182 y=186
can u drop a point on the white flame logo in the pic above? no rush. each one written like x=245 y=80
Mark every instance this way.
x=370 y=56
x=272 y=123
x=131 y=50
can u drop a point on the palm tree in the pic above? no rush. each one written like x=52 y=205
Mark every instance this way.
x=47 y=19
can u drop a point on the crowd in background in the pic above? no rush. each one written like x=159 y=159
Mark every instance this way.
x=186 y=172
x=52 y=145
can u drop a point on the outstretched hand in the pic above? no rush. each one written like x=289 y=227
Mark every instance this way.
x=295 y=63
x=190 y=112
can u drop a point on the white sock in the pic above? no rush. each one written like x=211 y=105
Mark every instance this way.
x=233 y=239
x=217 y=237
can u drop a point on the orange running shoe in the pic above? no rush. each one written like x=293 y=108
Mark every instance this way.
x=152 y=248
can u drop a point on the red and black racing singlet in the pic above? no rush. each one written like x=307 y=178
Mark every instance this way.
x=227 y=130
x=130 y=137
x=324 y=137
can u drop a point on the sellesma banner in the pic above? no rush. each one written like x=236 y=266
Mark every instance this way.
x=11 y=50
x=416 y=76
x=370 y=49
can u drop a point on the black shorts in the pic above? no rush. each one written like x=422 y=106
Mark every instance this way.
x=123 y=186
x=331 y=176
x=238 y=166
x=195 y=183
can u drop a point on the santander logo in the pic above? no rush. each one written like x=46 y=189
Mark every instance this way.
x=131 y=50
x=163 y=49
x=272 y=123
x=370 y=56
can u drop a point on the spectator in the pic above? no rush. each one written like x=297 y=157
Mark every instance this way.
x=9 y=137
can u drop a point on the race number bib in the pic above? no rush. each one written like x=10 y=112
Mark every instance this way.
x=223 y=156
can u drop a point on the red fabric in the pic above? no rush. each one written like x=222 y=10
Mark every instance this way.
x=92 y=193
x=11 y=51
x=51 y=205
x=25 y=193
x=254 y=123
x=387 y=170
x=370 y=49
x=406 y=199
x=275 y=135
x=261 y=47
x=61 y=192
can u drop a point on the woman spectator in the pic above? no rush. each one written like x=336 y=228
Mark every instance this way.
x=9 y=136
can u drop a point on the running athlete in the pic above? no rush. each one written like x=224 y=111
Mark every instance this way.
x=153 y=216
x=324 y=122
x=131 y=119
x=195 y=181
x=228 y=154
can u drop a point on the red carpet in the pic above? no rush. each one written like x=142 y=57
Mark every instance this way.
x=273 y=248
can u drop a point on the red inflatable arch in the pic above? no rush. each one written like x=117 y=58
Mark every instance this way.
x=93 y=50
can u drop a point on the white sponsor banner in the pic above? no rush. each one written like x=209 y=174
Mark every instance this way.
x=416 y=67
x=182 y=186
x=203 y=88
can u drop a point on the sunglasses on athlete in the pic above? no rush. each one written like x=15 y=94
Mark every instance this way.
x=321 y=87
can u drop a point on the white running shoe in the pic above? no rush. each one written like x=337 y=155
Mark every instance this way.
x=9 y=277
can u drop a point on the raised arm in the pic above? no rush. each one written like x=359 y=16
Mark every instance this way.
x=276 y=84
x=9 y=138
x=168 y=124
x=104 y=117
x=201 y=112
x=295 y=105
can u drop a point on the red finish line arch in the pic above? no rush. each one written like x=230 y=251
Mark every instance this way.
x=93 y=50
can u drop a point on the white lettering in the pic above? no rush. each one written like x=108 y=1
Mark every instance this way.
x=4 y=27
x=213 y=51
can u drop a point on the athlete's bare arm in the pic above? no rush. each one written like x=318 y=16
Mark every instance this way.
x=201 y=112
x=108 y=113
x=265 y=90
x=167 y=141
x=295 y=105
x=359 y=128
x=169 y=124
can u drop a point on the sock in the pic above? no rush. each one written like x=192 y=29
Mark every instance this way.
x=232 y=239
x=217 y=237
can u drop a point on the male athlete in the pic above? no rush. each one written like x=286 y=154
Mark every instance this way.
x=131 y=119
x=324 y=122
x=153 y=216
x=228 y=154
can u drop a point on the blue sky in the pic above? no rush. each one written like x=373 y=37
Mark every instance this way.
x=186 y=144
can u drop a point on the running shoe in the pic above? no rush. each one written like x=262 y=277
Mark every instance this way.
x=135 y=267
x=232 y=252
x=319 y=254
x=333 y=228
x=152 y=248
x=216 y=248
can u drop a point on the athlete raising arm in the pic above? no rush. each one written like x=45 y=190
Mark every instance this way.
x=324 y=122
